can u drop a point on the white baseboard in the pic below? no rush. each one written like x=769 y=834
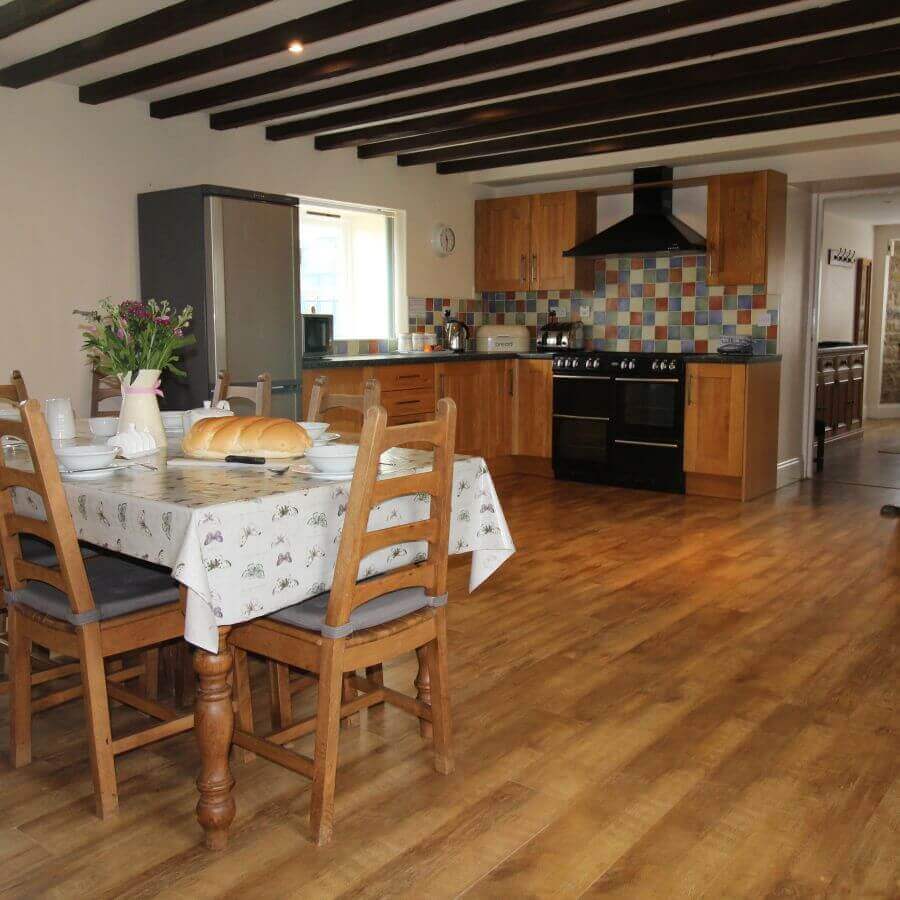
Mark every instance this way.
x=789 y=471
x=884 y=411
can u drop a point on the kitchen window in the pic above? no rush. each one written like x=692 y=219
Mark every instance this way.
x=349 y=268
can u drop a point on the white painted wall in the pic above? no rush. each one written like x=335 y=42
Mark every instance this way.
x=838 y=282
x=874 y=407
x=69 y=179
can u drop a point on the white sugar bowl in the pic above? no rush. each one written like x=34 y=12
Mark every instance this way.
x=132 y=443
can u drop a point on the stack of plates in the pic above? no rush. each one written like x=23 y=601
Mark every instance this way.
x=173 y=422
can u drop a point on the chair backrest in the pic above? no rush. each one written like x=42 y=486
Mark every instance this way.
x=321 y=401
x=58 y=528
x=15 y=392
x=104 y=387
x=260 y=395
x=367 y=491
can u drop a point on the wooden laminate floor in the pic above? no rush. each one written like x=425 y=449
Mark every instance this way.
x=658 y=696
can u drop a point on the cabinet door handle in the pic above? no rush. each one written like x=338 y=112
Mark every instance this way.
x=690 y=390
x=522 y=275
x=512 y=387
x=534 y=270
x=441 y=394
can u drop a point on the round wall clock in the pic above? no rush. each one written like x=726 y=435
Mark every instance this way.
x=443 y=240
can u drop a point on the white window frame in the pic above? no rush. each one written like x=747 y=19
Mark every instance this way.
x=400 y=318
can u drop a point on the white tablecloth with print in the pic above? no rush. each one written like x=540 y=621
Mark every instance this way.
x=247 y=543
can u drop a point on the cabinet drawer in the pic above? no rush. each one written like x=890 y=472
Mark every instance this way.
x=405 y=378
x=408 y=403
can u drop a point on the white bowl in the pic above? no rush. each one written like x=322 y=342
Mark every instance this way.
x=333 y=458
x=79 y=457
x=314 y=429
x=104 y=426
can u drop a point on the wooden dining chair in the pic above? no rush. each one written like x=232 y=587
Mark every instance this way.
x=15 y=392
x=282 y=684
x=260 y=395
x=322 y=401
x=108 y=609
x=104 y=387
x=362 y=623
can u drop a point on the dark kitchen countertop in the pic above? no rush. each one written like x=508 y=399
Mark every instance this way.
x=399 y=359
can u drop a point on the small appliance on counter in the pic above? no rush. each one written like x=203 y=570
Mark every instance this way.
x=502 y=339
x=316 y=333
x=456 y=333
x=561 y=335
x=735 y=346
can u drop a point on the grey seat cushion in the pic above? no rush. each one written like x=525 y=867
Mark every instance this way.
x=119 y=587
x=42 y=553
x=310 y=614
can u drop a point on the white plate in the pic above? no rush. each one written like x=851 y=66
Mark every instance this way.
x=326 y=438
x=329 y=476
x=88 y=474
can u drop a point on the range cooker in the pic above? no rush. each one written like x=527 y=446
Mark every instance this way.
x=618 y=418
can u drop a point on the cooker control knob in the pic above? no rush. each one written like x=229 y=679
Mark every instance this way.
x=632 y=364
x=671 y=365
x=655 y=365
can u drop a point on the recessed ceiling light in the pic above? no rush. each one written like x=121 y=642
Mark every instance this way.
x=295 y=47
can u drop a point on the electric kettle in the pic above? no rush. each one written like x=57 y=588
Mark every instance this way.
x=456 y=333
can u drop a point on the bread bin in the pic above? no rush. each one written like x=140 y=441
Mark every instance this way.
x=502 y=339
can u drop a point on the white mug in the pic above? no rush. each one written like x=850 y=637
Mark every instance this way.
x=60 y=418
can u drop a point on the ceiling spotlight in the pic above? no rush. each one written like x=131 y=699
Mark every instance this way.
x=295 y=47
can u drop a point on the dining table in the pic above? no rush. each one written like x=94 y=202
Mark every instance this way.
x=247 y=540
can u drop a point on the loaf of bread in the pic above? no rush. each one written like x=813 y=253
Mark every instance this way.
x=216 y=438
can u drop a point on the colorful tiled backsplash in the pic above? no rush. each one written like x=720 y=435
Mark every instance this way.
x=639 y=303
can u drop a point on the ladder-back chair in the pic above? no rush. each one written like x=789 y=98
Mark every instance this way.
x=260 y=394
x=322 y=401
x=363 y=623
x=111 y=608
x=104 y=387
x=15 y=392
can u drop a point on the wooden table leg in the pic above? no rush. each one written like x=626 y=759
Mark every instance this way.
x=423 y=691
x=214 y=727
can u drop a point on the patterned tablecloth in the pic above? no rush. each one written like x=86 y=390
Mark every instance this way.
x=247 y=542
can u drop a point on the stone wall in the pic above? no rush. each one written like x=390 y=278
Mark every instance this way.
x=890 y=359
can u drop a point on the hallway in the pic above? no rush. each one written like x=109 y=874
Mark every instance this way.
x=864 y=461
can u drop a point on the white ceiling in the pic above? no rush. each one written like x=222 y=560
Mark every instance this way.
x=873 y=209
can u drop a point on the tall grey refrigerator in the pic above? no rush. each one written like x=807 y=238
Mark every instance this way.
x=234 y=256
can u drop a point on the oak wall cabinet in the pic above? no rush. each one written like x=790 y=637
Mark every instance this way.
x=519 y=242
x=745 y=229
x=731 y=429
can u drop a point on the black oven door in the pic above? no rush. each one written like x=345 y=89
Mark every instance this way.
x=582 y=407
x=649 y=427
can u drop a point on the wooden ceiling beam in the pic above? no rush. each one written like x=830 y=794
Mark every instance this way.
x=574 y=124
x=506 y=19
x=496 y=119
x=858 y=109
x=672 y=118
x=17 y=15
x=317 y=26
x=572 y=40
x=534 y=128
x=684 y=49
x=138 y=32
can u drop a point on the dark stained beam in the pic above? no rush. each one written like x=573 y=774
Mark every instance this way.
x=139 y=32
x=534 y=131
x=18 y=15
x=674 y=118
x=500 y=118
x=585 y=37
x=464 y=142
x=841 y=112
x=317 y=26
x=685 y=49
x=504 y=20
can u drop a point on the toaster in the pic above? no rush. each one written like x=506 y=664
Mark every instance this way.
x=561 y=336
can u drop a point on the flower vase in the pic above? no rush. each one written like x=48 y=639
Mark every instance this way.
x=140 y=406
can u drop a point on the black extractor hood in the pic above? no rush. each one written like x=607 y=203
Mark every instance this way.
x=651 y=228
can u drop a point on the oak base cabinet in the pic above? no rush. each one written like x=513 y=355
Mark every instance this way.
x=731 y=429
x=533 y=413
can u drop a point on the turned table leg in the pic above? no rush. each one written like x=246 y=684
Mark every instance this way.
x=214 y=727
x=423 y=690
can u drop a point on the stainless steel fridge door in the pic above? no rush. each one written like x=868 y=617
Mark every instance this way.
x=254 y=294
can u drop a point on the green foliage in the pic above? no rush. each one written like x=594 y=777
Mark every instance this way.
x=123 y=338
